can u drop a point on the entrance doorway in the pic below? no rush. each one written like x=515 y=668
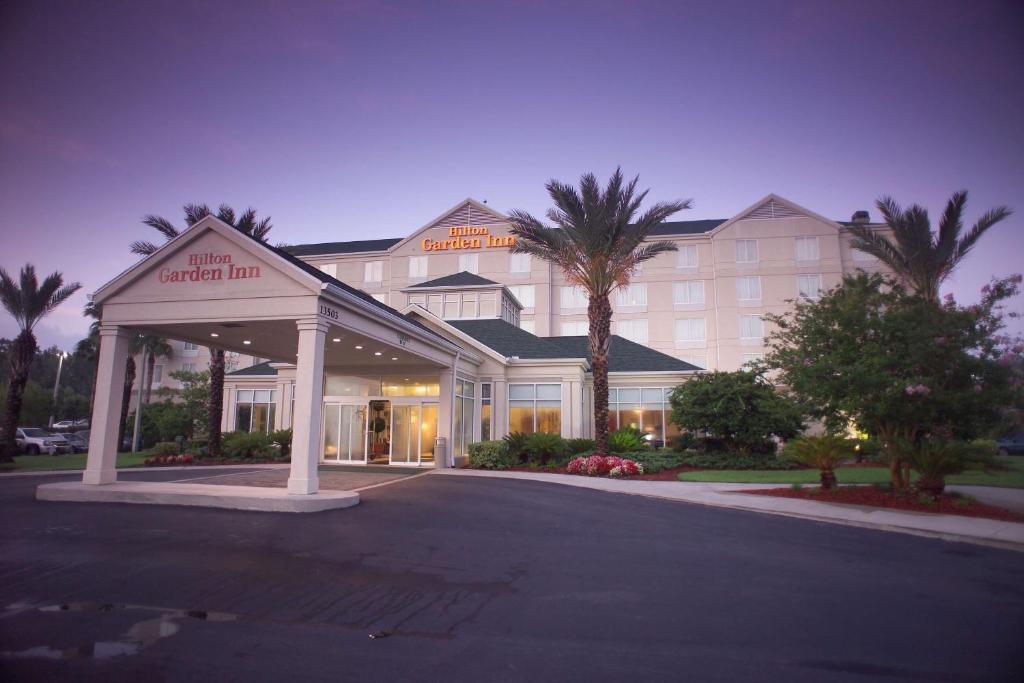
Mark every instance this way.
x=396 y=431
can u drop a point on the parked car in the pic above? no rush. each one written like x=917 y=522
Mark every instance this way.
x=34 y=441
x=1012 y=444
x=79 y=441
x=71 y=424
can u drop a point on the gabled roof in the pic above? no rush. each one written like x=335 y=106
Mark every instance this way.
x=467 y=212
x=624 y=355
x=460 y=279
x=686 y=227
x=774 y=206
x=353 y=247
x=259 y=370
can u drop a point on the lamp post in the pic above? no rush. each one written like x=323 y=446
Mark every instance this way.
x=61 y=355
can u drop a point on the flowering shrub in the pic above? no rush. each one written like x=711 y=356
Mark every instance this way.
x=597 y=465
x=163 y=460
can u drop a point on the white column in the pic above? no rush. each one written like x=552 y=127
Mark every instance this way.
x=309 y=398
x=566 y=408
x=576 y=409
x=106 y=411
x=444 y=416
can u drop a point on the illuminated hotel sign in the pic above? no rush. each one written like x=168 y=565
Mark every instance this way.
x=208 y=267
x=468 y=237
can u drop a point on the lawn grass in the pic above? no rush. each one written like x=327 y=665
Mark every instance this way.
x=71 y=461
x=1009 y=478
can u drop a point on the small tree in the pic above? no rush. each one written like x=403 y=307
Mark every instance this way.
x=823 y=453
x=740 y=408
x=195 y=396
x=897 y=366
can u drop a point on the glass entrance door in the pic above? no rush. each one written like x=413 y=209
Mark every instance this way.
x=344 y=433
x=405 y=434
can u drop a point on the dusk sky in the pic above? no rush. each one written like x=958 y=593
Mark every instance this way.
x=353 y=120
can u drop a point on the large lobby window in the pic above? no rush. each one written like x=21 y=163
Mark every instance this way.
x=254 y=410
x=535 y=408
x=462 y=432
x=646 y=409
x=485 y=412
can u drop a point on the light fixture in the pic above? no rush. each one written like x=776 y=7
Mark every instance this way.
x=394 y=357
x=246 y=342
x=377 y=353
x=336 y=339
x=358 y=347
x=214 y=334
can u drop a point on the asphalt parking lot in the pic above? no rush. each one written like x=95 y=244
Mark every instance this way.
x=479 y=579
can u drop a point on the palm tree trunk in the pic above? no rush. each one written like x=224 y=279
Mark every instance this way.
x=126 y=398
x=599 y=313
x=23 y=350
x=150 y=364
x=216 y=401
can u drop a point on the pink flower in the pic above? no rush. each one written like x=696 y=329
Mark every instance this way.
x=977 y=388
x=940 y=340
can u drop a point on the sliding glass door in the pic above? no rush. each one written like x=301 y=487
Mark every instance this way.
x=345 y=431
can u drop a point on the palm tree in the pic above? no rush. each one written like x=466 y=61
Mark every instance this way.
x=155 y=346
x=126 y=391
x=246 y=223
x=88 y=348
x=28 y=302
x=922 y=259
x=598 y=247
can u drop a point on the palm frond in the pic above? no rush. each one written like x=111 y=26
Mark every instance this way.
x=60 y=296
x=989 y=219
x=950 y=226
x=227 y=214
x=161 y=225
x=195 y=213
x=143 y=248
x=881 y=247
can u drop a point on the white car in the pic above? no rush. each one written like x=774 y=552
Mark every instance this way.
x=35 y=441
x=65 y=424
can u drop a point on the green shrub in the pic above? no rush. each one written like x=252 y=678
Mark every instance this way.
x=238 y=445
x=626 y=440
x=165 y=448
x=656 y=461
x=491 y=455
x=735 y=461
x=544 y=449
x=580 y=446
x=283 y=439
x=934 y=460
x=515 y=444
x=683 y=442
x=823 y=453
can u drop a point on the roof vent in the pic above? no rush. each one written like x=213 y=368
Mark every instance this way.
x=861 y=216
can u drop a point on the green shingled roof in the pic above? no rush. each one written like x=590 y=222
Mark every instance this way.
x=261 y=369
x=460 y=279
x=624 y=355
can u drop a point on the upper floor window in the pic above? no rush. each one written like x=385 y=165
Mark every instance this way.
x=633 y=330
x=189 y=346
x=519 y=263
x=686 y=257
x=469 y=263
x=808 y=286
x=373 y=271
x=330 y=268
x=807 y=249
x=572 y=297
x=158 y=373
x=691 y=329
x=691 y=292
x=749 y=358
x=524 y=293
x=188 y=367
x=751 y=327
x=528 y=326
x=746 y=251
x=417 y=266
x=634 y=294
x=862 y=256
x=575 y=328
x=748 y=288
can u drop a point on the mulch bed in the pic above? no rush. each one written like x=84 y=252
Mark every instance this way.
x=946 y=504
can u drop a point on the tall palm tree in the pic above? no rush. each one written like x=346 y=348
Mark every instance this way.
x=156 y=347
x=134 y=347
x=598 y=246
x=924 y=259
x=246 y=223
x=28 y=302
x=88 y=348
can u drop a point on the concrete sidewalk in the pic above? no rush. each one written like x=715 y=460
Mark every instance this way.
x=1009 y=535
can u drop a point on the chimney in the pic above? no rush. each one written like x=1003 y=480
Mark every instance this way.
x=861 y=217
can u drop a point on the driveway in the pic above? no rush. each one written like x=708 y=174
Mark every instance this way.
x=465 y=578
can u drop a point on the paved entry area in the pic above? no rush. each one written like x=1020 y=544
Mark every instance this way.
x=332 y=477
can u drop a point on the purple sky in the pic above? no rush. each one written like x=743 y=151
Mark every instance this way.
x=366 y=119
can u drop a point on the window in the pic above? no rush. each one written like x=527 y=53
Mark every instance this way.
x=373 y=271
x=862 y=256
x=381 y=297
x=519 y=263
x=808 y=286
x=632 y=295
x=158 y=373
x=487 y=305
x=417 y=267
x=748 y=288
x=575 y=328
x=633 y=330
x=529 y=326
x=188 y=367
x=698 y=359
x=190 y=347
x=462 y=433
x=434 y=304
x=451 y=306
x=686 y=257
x=746 y=251
x=646 y=409
x=751 y=327
x=691 y=329
x=807 y=249
x=686 y=293
x=535 y=408
x=254 y=410
x=469 y=263
x=330 y=268
x=524 y=293
x=469 y=307
x=748 y=358
x=485 y=412
x=573 y=298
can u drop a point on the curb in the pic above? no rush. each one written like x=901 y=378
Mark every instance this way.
x=141 y=468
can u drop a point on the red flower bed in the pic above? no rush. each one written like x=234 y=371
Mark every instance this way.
x=946 y=504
